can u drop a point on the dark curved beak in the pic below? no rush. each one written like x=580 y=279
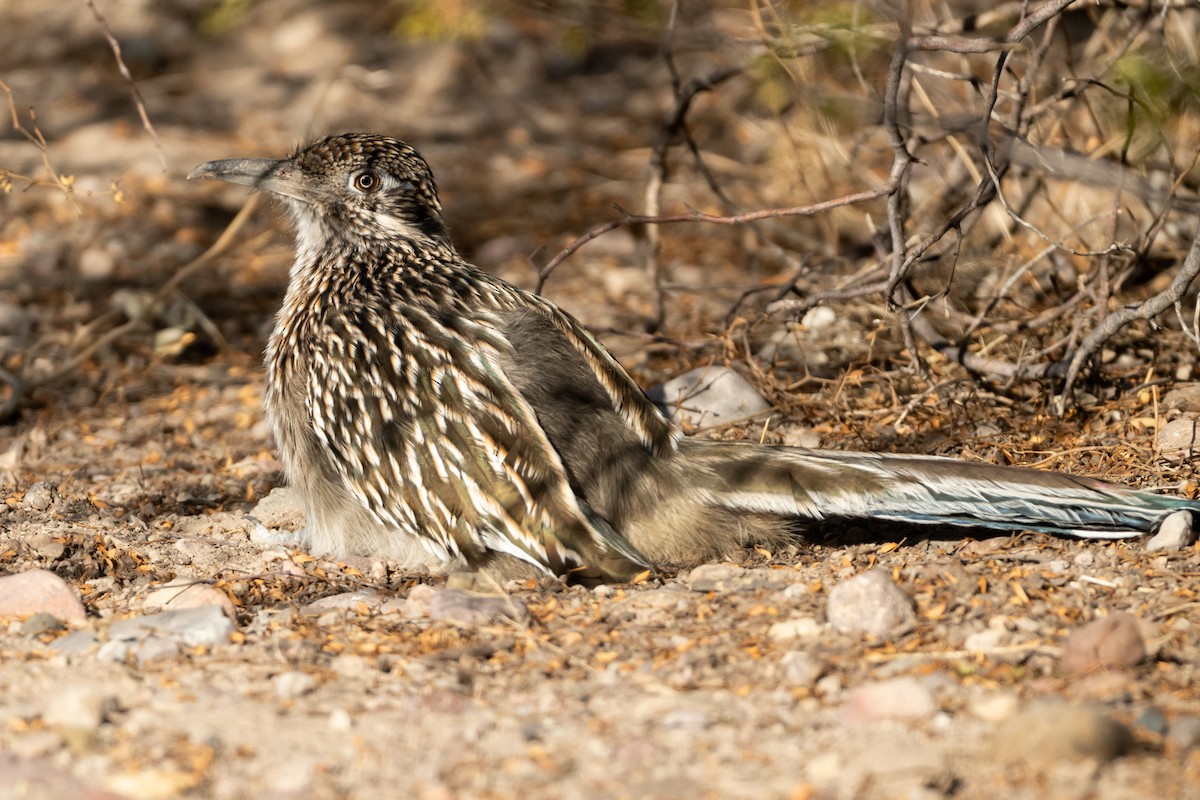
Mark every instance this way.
x=277 y=177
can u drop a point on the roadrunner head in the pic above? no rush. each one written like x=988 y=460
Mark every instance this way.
x=351 y=186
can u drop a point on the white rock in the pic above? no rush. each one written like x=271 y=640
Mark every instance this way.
x=993 y=707
x=800 y=668
x=802 y=628
x=710 y=396
x=870 y=603
x=1175 y=533
x=293 y=684
x=96 y=264
x=79 y=706
x=985 y=640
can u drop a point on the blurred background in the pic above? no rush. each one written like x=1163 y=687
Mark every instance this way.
x=544 y=119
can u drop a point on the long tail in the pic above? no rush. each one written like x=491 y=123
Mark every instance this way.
x=830 y=485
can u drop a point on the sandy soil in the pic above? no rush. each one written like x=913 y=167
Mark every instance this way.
x=144 y=462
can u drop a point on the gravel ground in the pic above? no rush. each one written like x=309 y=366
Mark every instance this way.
x=162 y=636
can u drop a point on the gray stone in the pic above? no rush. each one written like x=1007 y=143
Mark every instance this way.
x=75 y=643
x=365 y=600
x=156 y=647
x=1152 y=719
x=730 y=578
x=1177 y=532
x=801 y=669
x=41 y=623
x=1050 y=732
x=709 y=396
x=205 y=626
x=1180 y=438
x=46 y=546
x=14 y=320
x=39 y=496
x=1184 y=397
x=283 y=507
x=870 y=603
x=464 y=608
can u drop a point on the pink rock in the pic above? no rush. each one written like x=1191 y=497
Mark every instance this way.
x=40 y=592
x=898 y=698
x=1112 y=642
x=188 y=595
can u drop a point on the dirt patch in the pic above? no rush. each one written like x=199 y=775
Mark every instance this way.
x=143 y=462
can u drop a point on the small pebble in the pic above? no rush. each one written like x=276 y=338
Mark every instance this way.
x=730 y=578
x=1112 y=642
x=77 y=707
x=1179 y=438
x=801 y=669
x=1184 y=732
x=819 y=317
x=46 y=546
x=802 y=628
x=96 y=264
x=187 y=594
x=41 y=623
x=1084 y=558
x=293 y=684
x=1048 y=732
x=349 y=665
x=205 y=626
x=14 y=320
x=75 y=642
x=986 y=640
x=993 y=707
x=1151 y=719
x=1184 y=397
x=870 y=603
x=283 y=507
x=38 y=591
x=155 y=648
x=904 y=770
x=361 y=600
x=340 y=721
x=829 y=686
x=898 y=698
x=39 y=496
x=709 y=396
x=1175 y=533
x=464 y=608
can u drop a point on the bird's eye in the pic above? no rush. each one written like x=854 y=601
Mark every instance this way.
x=366 y=181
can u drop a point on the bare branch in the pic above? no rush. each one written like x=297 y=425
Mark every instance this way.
x=137 y=95
x=628 y=219
x=1147 y=309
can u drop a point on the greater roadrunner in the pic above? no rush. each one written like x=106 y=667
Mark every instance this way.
x=431 y=412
